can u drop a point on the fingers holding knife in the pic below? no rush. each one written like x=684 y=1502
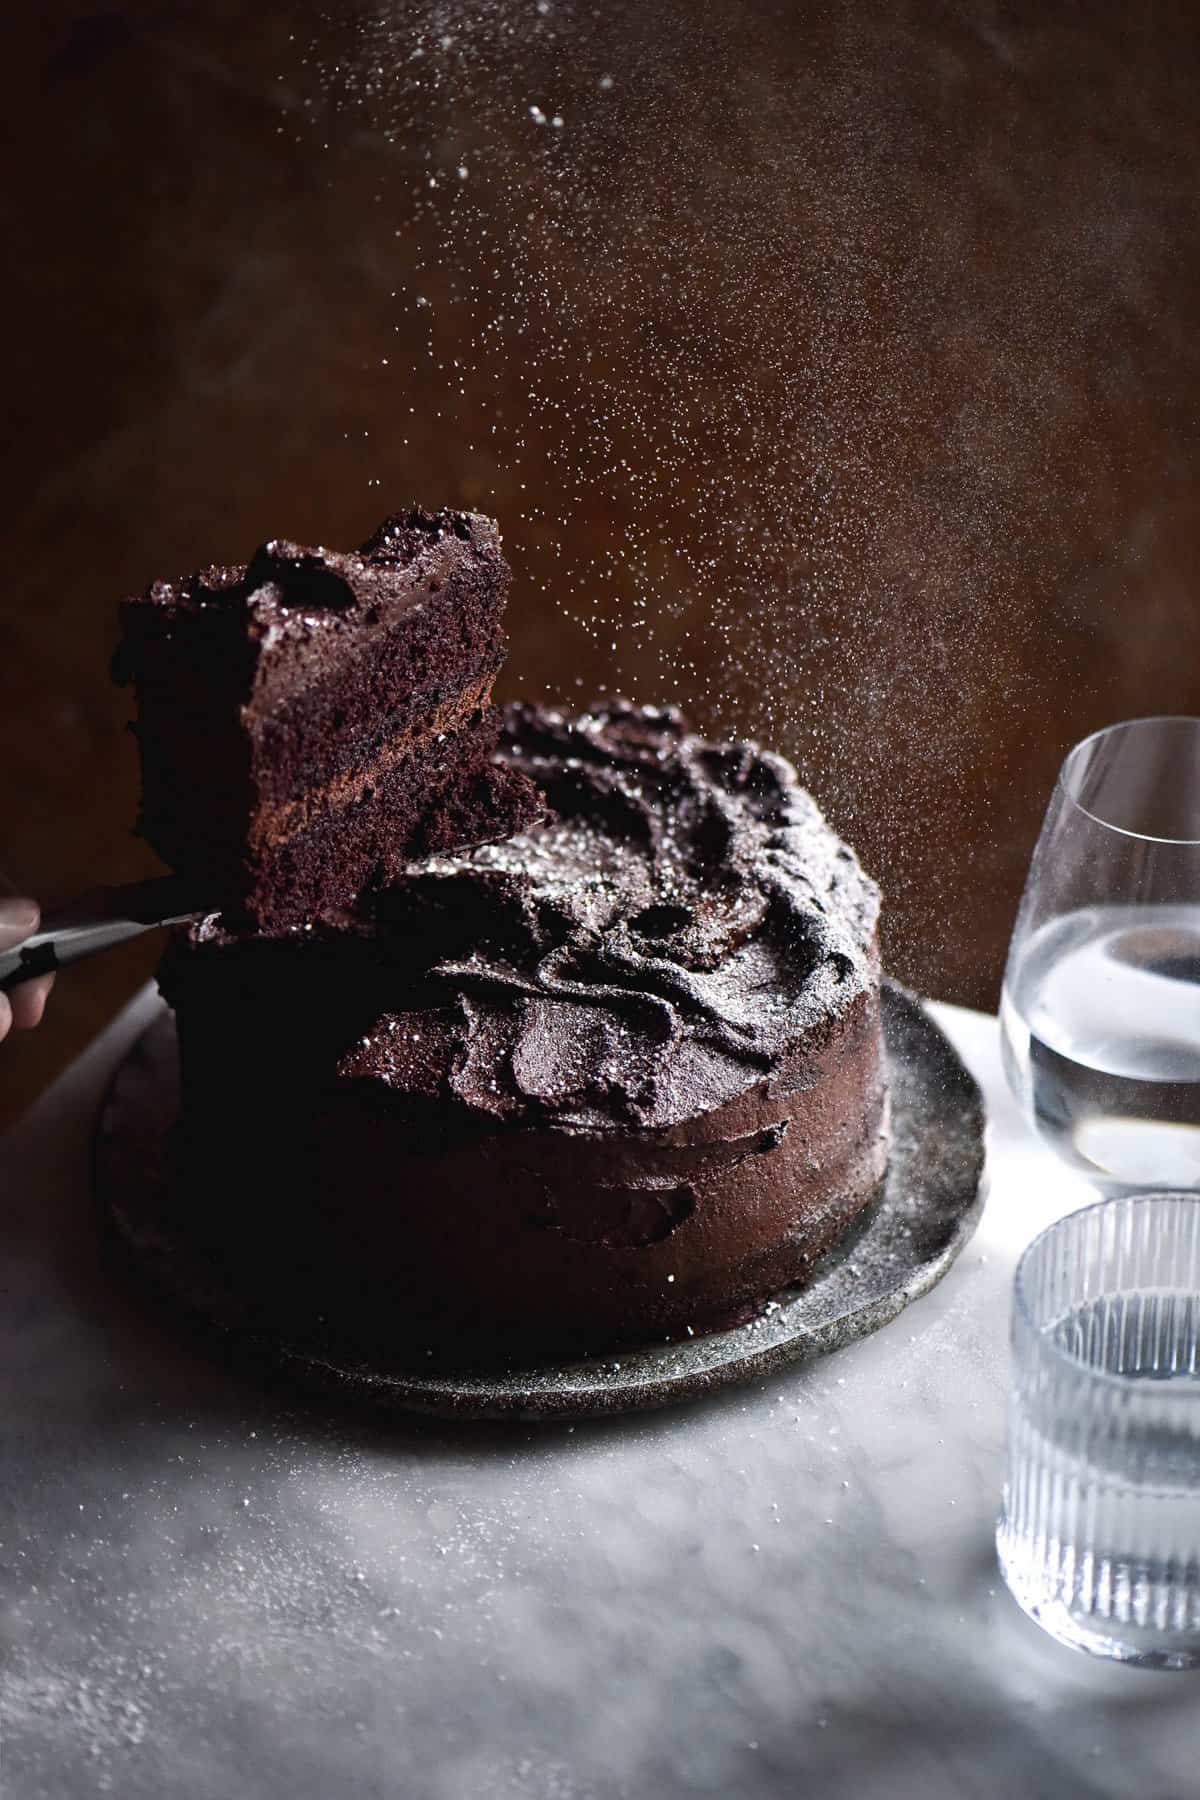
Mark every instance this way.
x=23 y=1008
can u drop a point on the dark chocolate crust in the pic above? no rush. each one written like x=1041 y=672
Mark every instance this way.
x=619 y=1077
x=306 y=719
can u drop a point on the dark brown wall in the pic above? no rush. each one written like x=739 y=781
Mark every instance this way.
x=833 y=371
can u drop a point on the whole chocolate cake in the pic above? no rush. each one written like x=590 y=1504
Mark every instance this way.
x=310 y=721
x=619 y=1077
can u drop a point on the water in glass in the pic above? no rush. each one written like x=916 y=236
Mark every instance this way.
x=1100 y=1020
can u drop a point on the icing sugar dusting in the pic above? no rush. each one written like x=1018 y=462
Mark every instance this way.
x=756 y=293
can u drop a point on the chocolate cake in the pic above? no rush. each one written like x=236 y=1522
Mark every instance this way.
x=310 y=722
x=619 y=1077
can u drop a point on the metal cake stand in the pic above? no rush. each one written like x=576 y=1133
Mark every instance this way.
x=925 y=1214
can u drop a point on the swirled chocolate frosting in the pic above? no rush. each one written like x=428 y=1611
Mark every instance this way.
x=655 y=950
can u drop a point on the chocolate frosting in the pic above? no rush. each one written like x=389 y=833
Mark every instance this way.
x=282 y=576
x=291 y=596
x=655 y=951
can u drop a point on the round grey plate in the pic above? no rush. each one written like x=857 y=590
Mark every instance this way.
x=927 y=1211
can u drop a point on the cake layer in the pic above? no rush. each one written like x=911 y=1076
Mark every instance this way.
x=437 y=786
x=437 y=730
x=301 y=684
x=617 y=1077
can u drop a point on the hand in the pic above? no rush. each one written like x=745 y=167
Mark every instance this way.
x=19 y=919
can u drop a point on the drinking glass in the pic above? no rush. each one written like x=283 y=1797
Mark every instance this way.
x=1100 y=1011
x=1099 y=1533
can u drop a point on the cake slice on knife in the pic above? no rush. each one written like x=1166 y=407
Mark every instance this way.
x=312 y=721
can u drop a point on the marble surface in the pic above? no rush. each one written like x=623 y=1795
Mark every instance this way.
x=790 y=1589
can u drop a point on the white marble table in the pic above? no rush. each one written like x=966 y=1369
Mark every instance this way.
x=788 y=1590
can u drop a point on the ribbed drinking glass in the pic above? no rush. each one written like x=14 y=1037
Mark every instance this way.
x=1099 y=1533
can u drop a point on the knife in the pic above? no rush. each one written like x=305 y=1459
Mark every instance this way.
x=98 y=920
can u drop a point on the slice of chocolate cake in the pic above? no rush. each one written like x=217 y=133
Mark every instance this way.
x=620 y=1077
x=310 y=722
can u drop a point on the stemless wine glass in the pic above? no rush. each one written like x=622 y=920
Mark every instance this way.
x=1100 y=1012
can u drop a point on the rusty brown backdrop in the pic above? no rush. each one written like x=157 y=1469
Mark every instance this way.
x=199 y=300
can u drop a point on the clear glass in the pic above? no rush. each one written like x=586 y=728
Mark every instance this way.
x=1099 y=1533
x=1100 y=1012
